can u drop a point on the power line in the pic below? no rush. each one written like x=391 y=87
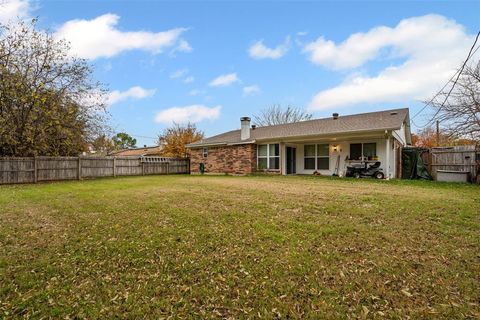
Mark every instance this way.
x=444 y=86
x=144 y=137
x=457 y=75
x=440 y=91
x=456 y=80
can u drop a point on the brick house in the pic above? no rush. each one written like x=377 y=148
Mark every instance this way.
x=322 y=145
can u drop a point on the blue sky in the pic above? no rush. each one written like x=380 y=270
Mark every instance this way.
x=213 y=62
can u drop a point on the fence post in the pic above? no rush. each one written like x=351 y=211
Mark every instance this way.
x=430 y=166
x=114 y=167
x=168 y=167
x=79 y=174
x=143 y=168
x=35 y=171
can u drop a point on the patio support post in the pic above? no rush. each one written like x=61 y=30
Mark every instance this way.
x=387 y=156
x=283 y=159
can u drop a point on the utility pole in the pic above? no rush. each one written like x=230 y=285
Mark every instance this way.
x=438 y=133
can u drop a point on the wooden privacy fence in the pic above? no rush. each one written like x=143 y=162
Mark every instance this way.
x=455 y=158
x=33 y=170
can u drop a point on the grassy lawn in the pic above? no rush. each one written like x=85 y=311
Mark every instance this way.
x=239 y=247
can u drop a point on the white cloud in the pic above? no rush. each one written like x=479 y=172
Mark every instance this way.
x=183 y=46
x=196 y=92
x=132 y=93
x=251 y=90
x=10 y=10
x=194 y=113
x=182 y=73
x=259 y=51
x=179 y=74
x=189 y=79
x=100 y=37
x=224 y=80
x=431 y=48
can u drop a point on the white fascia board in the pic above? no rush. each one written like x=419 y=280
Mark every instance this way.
x=215 y=144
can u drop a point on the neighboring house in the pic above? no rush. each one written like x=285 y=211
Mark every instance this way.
x=308 y=146
x=92 y=152
x=145 y=151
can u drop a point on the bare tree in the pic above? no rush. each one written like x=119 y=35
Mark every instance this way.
x=277 y=114
x=458 y=110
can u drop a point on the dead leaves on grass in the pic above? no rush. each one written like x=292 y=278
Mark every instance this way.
x=249 y=247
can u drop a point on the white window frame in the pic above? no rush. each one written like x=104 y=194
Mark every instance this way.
x=268 y=155
x=205 y=153
x=316 y=156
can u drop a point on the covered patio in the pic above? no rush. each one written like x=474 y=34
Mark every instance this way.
x=328 y=155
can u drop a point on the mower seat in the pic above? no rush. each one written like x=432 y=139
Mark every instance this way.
x=375 y=165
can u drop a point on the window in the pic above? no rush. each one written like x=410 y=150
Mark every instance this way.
x=205 y=152
x=268 y=156
x=365 y=149
x=316 y=157
x=355 y=151
x=369 y=150
x=309 y=157
x=323 y=159
x=262 y=162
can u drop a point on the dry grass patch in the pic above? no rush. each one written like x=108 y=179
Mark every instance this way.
x=240 y=247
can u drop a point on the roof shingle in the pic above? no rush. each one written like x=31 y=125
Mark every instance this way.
x=372 y=121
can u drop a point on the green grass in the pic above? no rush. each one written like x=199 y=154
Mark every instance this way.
x=239 y=247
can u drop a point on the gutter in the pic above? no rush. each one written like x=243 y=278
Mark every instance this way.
x=336 y=134
x=241 y=142
x=200 y=145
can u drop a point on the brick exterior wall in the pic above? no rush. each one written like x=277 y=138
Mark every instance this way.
x=238 y=159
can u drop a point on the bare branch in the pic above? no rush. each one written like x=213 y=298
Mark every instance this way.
x=458 y=110
x=276 y=114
